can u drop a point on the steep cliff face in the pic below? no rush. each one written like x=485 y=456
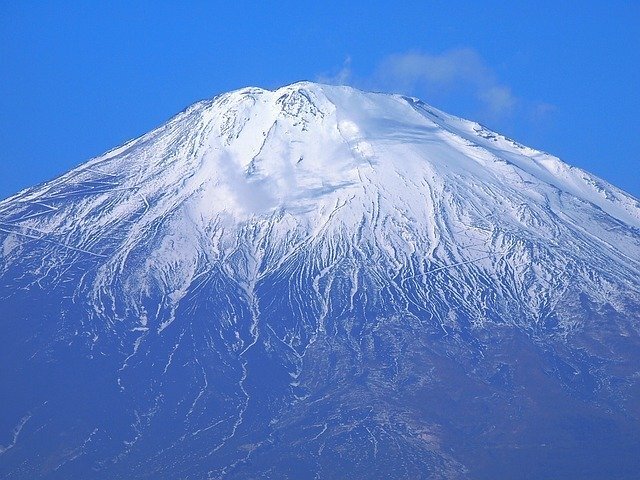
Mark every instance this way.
x=316 y=282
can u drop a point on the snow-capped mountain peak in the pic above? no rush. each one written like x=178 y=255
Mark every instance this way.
x=309 y=262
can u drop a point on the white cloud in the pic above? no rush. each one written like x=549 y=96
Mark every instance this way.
x=454 y=71
x=460 y=74
x=341 y=77
x=498 y=99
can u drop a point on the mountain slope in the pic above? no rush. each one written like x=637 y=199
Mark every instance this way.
x=317 y=280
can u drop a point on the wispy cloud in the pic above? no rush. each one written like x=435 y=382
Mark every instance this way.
x=541 y=111
x=460 y=74
x=460 y=70
x=344 y=76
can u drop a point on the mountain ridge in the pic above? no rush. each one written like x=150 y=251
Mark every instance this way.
x=271 y=271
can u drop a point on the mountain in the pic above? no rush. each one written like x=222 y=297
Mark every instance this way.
x=319 y=282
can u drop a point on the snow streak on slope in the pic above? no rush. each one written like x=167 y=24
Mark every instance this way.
x=262 y=276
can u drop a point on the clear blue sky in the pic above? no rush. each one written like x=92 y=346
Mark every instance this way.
x=77 y=78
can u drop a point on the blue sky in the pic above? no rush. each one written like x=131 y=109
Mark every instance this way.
x=78 y=78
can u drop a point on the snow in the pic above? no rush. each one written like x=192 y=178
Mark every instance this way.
x=289 y=260
x=310 y=166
